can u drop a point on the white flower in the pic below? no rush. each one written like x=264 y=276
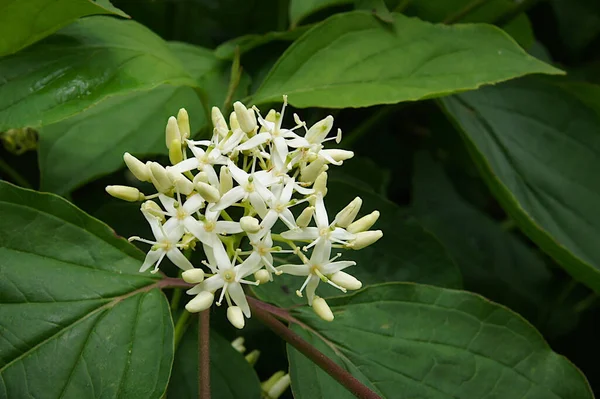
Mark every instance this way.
x=181 y=214
x=324 y=232
x=227 y=277
x=208 y=228
x=203 y=161
x=319 y=267
x=262 y=248
x=165 y=244
x=278 y=207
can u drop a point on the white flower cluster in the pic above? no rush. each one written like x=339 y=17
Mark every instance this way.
x=255 y=170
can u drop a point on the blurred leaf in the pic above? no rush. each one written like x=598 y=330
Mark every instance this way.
x=25 y=22
x=538 y=148
x=405 y=253
x=81 y=65
x=578 y=22
x=231 y=376
x=429 y=61
x=377 y=7
x=92 y=143
x=300 y=9
x=246 y=43
x=493 y=262
x=415 y=341
x=76 y=318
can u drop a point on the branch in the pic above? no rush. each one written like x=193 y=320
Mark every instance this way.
x=329 y=366
x=204 y=354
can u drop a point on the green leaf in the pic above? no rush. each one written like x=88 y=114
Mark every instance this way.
x=92 y=143
x=492 y=261
x=405 y=253
x=246 y=43
x=578 y=22
x=25 y=22
x=414 y=341
x=346 y=61
x=231 y=376
x=77 y=319
x=537 y=146
x=80 y=66
x=300 y=9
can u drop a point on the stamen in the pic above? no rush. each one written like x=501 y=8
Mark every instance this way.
x=249 y=282
x=336 y=286
x=299 y=292
x=136 y=238
x=222 y=294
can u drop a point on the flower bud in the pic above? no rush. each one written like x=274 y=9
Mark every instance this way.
x=125 y=193
x=159 y=177
x=201 y=177
x=268 y=384
x=320 y=185
x=271 y=117
x=250 y=224
x=236 y=317
x=172 y=131
x=238 y=344
x=346 y=280
x=208 y=192
x=322 y=309
x=181 y=183
x=347 y=215
x=233 y=121
x=364 y=223
x=364 y=239
x=218 y=121
x=225 y=180
x=304 y=219
x=340 y=155
x=153 y=209
x=309 y=173
x=318 y=131
x=175 y=153
x=193 y=276
x=200 y=302
x=245 y=117
x=252 y=357
x=137 y=167
x=262 y=276
x=183 y=122
x=279 y=387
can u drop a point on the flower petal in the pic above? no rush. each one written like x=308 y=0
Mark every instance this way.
x=306 y=233
x=227 y=227
x=333 y=267
x=193 y=204
x=229 y=198
x=151 y=257
x=311 y=287
x=186 y=165
x=236 y=292
x=179 y=259
x=211 y=284
x=295 y=270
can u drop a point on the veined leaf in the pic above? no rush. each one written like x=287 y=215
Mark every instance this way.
x=77 y=320
x=353 y=60
x=300 y=9
x=414 y=341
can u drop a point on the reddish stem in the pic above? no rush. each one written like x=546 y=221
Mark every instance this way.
x=204 y=354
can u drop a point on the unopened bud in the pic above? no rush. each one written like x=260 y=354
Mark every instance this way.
x=262 y=276
x=218 y=121
x=268 y=384
x=364 y=239
x=304 y=219
x=183 y=122
x=348 y=214
x=245 y=117
x=318 y=132
x=208 y=192
x=238 y=344
x=193 y=276
x=200 y=302
x=320 y=185
x=233 y=121
x=271 y=117
x=159 y=177
x=125 y=193
x=201 y=177
x=236 y=317
x=181 y=183
x=137 y=167
x=172 y=131
x=322 y=309
x=225 y=180
x=310 y=172
x=175 y=153
x=250 y=224
x=364 y=223
x=340 y=155
x=346 y=280
x=252 y=357
x=279 y=387
x=153 y=209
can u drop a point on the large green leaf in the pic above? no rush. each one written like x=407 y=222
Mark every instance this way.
x=92 y=143
x=81 y=65
x=77 y=320
x=414 y=341
x=405 y=253
x=300 y=9
x=231 y=376
x=492 y=261
x=353 y=60
x=25 y=22
x=538 y=147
